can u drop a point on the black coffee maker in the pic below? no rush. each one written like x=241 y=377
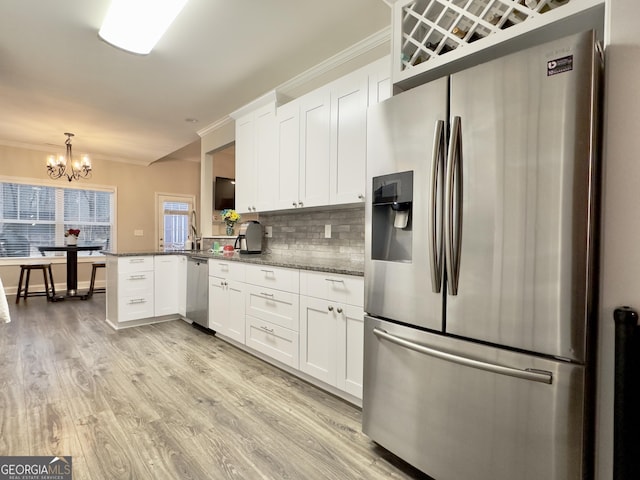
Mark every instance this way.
x=250 y=238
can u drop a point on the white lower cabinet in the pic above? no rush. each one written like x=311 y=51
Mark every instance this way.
x=273 y=340
x=274 y=306
x=331 y=343
x=226 y=308
x=130 y=290
x=167 y=286
x=227 y=299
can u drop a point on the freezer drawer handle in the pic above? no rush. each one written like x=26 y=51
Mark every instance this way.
x=526 y=374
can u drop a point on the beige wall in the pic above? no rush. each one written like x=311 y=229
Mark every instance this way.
x=135 y=209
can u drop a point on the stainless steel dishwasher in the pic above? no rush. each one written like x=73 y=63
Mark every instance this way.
x=198 y=290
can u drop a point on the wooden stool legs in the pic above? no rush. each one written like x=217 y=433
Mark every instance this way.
x=94 y=268
x=49 y=286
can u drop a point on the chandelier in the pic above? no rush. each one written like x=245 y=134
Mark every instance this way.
x=64 y=166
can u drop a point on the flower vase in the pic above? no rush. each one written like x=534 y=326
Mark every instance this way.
x=72 y=240
x=229 y=230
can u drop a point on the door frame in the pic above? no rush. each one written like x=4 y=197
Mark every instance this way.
x=159 y=222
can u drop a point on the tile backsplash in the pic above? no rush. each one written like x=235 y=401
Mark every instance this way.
x=302 y=233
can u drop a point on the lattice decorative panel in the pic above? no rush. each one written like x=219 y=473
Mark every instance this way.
x=434 y=27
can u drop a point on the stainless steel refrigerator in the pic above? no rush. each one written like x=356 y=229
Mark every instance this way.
x=480 y=268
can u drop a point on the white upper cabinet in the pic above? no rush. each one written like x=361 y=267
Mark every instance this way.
x=246 y=177
x=311 y=151
x=380 y=86
x=287 y=155
x=265 y=157
x=256 y=156
x=315 y=138
x=349 y=99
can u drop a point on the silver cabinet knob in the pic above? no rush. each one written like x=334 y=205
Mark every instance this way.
x=330 y=308
x=300 y=204
x=294 y=204
x=339 y=310
x=360 y=196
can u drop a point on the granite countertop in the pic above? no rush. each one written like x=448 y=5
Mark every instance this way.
x=301 y=262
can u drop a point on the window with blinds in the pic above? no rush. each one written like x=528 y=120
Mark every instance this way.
x=34 y=215
x=176 y=224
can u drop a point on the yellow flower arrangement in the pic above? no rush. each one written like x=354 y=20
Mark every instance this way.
x=230 y=216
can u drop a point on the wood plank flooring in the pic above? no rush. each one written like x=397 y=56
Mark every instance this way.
x=167 y=401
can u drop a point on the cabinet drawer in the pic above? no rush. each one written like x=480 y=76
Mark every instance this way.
x=135 y=283
x=286 y=279
x=329 y=286
x=135 y=264
x=275 y=306
x=272 y=340
x=134 y=307
x=226 y=269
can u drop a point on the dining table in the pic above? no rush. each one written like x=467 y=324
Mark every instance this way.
x=72 y=267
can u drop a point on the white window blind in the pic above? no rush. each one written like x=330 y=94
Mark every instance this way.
x=34 y=215
x=176 y=224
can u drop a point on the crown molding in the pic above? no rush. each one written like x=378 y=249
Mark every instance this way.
x=371 y=42
x=376 y=40
x=214 y=126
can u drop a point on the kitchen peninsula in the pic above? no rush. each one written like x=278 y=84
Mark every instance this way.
x=301 y=313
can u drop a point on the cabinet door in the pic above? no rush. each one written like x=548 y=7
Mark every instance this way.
x=245 y=165
x=265 y=153
x=380 y=87
x=235 y=311
x=182 y=282
x=350 y=342
x=349 y=97
x=287 y=156
x=318 y=324
x=315 y=137
x=218 y=305
x=166 y=287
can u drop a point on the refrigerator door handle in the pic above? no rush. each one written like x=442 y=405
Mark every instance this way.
x=533 y=375
x=453 y=208
x=435 y=234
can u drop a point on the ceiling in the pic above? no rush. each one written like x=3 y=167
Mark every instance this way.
x=57 y=76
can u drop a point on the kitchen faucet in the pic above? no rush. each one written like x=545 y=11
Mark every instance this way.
x=194 y=230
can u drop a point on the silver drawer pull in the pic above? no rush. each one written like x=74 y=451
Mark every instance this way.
x=137 y=277
x=334 y=280
x=266 y=271
x=269 y=330
x=136 y=260
x=224 y=266
x=266 y=294
x=135 y=301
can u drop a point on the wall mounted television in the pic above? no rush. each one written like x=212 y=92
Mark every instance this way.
x=224 y=193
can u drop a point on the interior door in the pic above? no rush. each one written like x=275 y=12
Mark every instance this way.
x=526 y=121
x=173 y=222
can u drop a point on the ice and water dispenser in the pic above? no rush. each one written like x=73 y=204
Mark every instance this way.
x=391 y=233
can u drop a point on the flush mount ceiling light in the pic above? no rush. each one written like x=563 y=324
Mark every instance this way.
x=137 y=25
x=64 y=166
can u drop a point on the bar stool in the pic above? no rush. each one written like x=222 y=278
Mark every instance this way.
x=94 y=268
x=49 y=285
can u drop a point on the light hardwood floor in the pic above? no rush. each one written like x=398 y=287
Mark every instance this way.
x=167 y=401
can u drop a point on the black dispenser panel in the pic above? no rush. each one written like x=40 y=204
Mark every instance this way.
x=391 y=217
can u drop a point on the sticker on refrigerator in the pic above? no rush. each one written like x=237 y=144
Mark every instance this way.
x=559 y=65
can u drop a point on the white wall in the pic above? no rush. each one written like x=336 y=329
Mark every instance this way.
x=620 y=273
